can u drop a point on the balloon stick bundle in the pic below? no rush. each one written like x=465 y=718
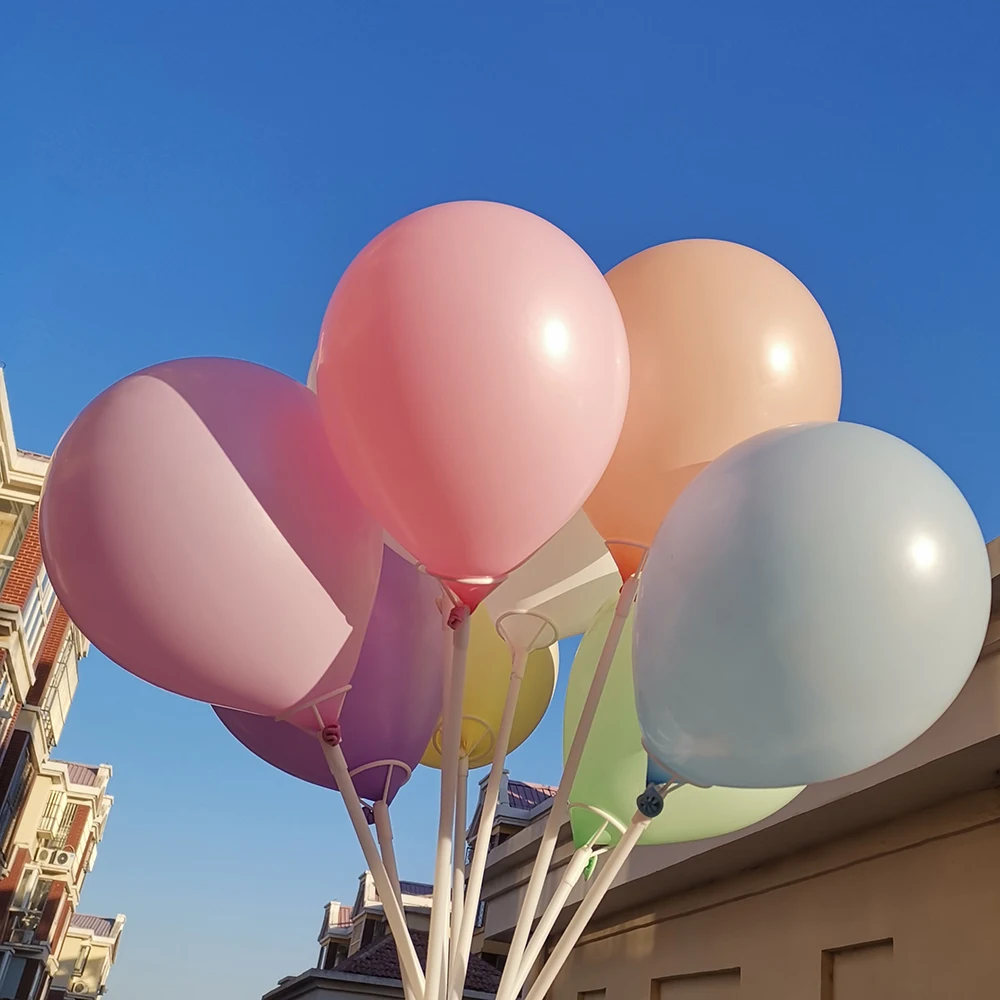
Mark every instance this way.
x=499 y=447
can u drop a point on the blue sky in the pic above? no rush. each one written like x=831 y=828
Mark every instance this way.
x=193 y=178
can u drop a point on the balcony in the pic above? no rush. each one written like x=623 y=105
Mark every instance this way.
x=50 y=715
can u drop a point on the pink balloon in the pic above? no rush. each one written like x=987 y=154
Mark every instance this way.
x=473 y=374
x=197 y=528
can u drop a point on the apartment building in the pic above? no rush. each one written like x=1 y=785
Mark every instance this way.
x=52 y=813
x=879 y=885
x=88 y=951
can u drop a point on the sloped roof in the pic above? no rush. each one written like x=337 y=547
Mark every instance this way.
x=416 y=888
x=526 y=795
x=99 y=926
x=82 y=774
x=380 y=961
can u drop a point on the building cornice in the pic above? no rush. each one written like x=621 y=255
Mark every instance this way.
x=21 y=473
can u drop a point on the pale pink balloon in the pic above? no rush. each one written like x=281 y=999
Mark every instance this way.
x=473 y=374
x=197 y=528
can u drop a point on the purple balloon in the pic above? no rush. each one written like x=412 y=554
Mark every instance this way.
x=394 y=703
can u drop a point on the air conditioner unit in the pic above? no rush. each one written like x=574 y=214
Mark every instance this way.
x=55 y=858
x=22 y=935
x=79 y=987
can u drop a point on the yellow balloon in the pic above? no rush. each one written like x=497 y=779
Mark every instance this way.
x=487 y=677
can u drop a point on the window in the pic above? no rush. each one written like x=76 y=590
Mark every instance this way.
x=48 y=821
x=14 y=519
x=80 y=966
x=16 y=794
x=11 y=970
x=8 y=699
x=38 y=609
x=33 y=892
x=65 y=825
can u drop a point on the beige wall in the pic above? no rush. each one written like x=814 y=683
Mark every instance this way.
x=94 y=973
x=907 y=910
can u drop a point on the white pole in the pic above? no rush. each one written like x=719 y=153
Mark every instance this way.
x=383 y=829
x=458 y=877
x=573 y=873
x=609 y=871
x=521 y=649
x=451 y=733
x=557 y=813
x=390 y=904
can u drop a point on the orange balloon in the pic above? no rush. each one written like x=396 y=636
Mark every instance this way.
x=724 y=343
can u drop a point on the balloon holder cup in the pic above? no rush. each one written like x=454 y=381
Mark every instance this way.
x=468 y=590
x=637 y=558
x=602 y=814
x=389 y=766
x=526 y=631
x=321 y=718
x=482 y=745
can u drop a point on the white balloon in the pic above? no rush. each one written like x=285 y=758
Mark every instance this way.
x=815 y=600
x=567 y=580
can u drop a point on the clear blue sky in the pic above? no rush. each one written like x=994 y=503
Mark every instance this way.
x=192 y=178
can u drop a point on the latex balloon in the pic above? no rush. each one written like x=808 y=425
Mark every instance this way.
x=198 y=530
x=815 y=600
x=613 y=768
x=394 y=702
x=311 y=376
x=473 y=373
x=725 y=343
x=486 y=681
x=567 y=580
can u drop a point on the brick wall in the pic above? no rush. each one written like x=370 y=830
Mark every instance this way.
x=74 y=839
x=25 y=568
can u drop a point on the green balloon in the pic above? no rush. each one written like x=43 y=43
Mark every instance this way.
x=613 y=769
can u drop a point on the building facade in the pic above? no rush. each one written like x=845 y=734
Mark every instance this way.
x=358 y=958
x=52 y=813
x=878 y=886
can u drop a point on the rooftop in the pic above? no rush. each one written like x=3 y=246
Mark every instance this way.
x=99 y=926
x=83 y=774
x=380 y=961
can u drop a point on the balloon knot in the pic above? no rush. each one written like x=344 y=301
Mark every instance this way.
x=331 y=735
x=458 y=614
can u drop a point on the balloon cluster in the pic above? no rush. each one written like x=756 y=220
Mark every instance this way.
x=489 y=411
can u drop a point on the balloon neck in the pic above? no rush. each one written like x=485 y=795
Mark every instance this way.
x=472 y=594
x=629 y=556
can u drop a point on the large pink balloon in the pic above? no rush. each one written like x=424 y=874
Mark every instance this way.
x=197 y=528
x=473 y=374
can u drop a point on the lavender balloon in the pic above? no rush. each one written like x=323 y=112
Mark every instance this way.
x=394 y=702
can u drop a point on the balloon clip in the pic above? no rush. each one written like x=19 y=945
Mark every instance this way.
x=650 y=802
x=331 y=735
x=458 y=614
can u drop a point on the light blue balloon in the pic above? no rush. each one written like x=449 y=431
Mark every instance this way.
x=814 y=600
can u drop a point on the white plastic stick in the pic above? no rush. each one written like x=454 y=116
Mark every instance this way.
x=486 y=817
x=602 y=882
x=383 y=829
x=390 y=904
x=557 y=813
x=574 y=871
x=458 y=875
x=451 y=733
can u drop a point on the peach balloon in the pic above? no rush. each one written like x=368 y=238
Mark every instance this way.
x=724 y=343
